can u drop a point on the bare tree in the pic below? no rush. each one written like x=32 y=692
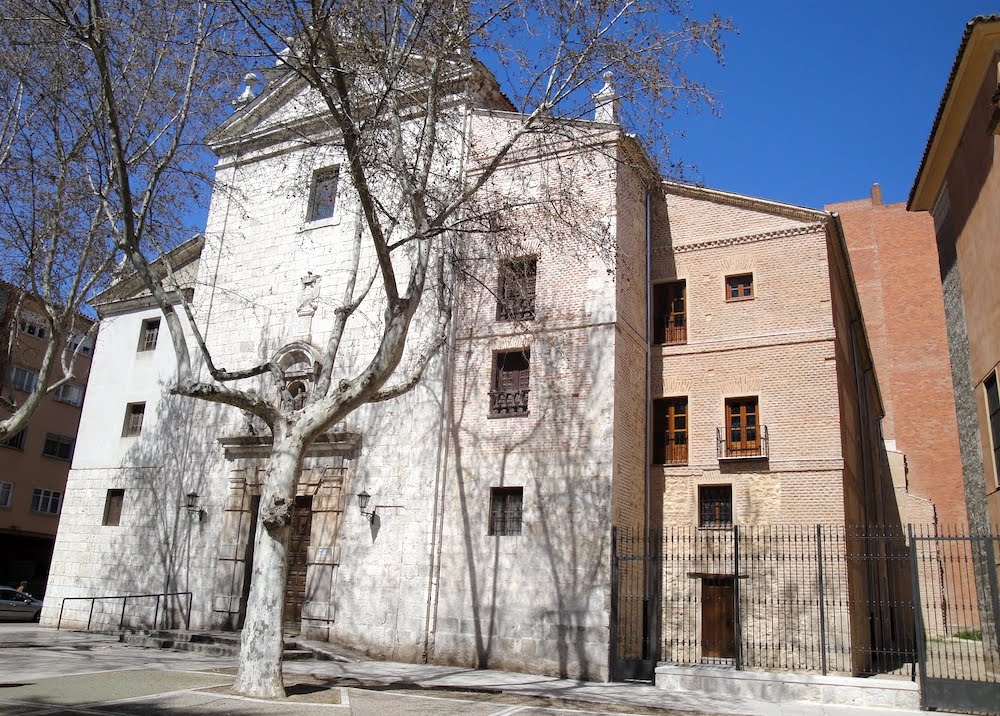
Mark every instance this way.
x=390 y=82
x=78 y=172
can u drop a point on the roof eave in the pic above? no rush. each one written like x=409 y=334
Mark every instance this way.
x=982 y=35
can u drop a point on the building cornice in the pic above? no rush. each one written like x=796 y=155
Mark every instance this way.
x=738 y=240
x=138 y=303
x=979 y=44
x=742 y=201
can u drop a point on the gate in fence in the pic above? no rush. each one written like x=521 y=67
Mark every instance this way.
x=826 y=599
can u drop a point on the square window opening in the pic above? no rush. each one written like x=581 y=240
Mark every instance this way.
x=46 y=502
x=113 y=507
x=58 y=446
x=715 y=506
x=505 y=511
x=739 y=287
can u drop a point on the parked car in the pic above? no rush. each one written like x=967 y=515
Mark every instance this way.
x=18 y=606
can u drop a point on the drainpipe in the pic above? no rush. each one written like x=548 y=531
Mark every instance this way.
x=649 y=363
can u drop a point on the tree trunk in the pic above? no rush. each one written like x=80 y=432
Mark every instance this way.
x=261 y=643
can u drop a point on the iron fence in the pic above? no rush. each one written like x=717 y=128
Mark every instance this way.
x=828 y=599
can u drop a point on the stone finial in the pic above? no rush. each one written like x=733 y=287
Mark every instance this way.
x=606 y=102
x=250 y=81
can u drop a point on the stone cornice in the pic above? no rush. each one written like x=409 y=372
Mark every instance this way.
x=737 y=240
x=742 y=201
x=344 y=444
x=140 y=302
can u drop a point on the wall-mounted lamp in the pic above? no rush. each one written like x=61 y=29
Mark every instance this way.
x=192 y=506
x=363 y=498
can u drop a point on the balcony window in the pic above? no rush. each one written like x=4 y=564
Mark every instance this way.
x=743 y=436
x=670 y=431
x=670 y=313
x=516 y=289
x=511 y=379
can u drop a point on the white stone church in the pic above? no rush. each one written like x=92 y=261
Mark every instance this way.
x=494 y=485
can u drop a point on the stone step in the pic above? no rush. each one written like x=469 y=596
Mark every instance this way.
x=213 y=644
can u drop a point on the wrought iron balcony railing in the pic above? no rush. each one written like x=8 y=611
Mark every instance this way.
x=742 y=443
x=504 y=403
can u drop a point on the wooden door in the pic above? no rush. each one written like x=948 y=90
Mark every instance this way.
x=298 y=552
x=718 y=618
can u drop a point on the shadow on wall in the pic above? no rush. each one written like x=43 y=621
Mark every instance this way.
x=539 y=596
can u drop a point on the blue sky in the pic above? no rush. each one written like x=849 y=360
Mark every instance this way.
x=821 y=99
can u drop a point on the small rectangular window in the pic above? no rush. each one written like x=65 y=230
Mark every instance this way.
x=516 y=289
x=670 y=431
x=505 y=510
x=134 y=413
x=25 y=379
x=715 y=506
x=113 y=507
x=46 y=501
x=17 y=440
x=511 y=380
x=6 y=491
x=324 y=194
x=71 y=393
x=670 y=313
x=75 y=341
x=149 y=334
x=58 y=446
x=739 y=287
x=993 y=408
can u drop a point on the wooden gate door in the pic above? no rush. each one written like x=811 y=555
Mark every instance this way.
x=718 y=618
x=298 y=551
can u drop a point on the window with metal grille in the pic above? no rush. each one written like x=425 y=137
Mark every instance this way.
x=670 y=312
x=670 y=431
x=134 y=413
x=505 y=510
x=25 y=379
x=739 y=287
x=715 y=506
x=516 y=289
x=323 y=200
x=149 y=334
x=511 y=379
x=46 y=501
x=6 y=491
x=113 y=507
x=59 y=446
x=993 y=408
x=71 y=393
x=17 y=440
x=742 y=427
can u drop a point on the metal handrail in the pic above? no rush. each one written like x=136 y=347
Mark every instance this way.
x=125 y=598
x=726 y=452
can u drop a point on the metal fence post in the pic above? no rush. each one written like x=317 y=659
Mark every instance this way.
x=918 y=619
x=822 y=599
x=121 y=622
x=738 y=630
x=613 y=616
x=90 y=618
